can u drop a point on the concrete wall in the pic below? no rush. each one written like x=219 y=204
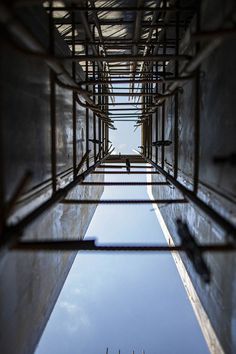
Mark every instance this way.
x=31 y=282
x=216 y=182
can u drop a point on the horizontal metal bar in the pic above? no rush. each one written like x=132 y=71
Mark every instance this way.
x=117 y=115
x=124 y=120
x=125 y=184
x=123 y=201
x=115 y=21
x=122 y=158
x=124 y=57
x=90 y=245
x=142 y=81
x=123 y=104
x=114 y=41
x=127 y=72
x=133 y=94
x=119 y=8
x=114 y=87
x=123 y=166
x=125 y=172
x=124 y=109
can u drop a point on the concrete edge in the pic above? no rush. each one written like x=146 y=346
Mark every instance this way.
x=201 y=315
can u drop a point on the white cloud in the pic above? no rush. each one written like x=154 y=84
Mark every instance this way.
x=68 y=307
x=78 y=317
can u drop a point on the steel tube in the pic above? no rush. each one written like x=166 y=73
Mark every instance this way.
x=122 y=201
x=90 y=245
x=124 y=57
x=135 y=81
x=125 y=184
x=125 y=172
x=123 y=166
x=116 y=8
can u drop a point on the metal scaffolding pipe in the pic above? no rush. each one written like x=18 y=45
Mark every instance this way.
x=125 y=184
x=124 y=57
x=115 y=8
x=90 y=245
x=127 y=201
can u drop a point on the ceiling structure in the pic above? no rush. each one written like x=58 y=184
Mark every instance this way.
x=125 y=48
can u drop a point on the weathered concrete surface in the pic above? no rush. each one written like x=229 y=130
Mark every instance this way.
x=31 y=282
x=216 y=182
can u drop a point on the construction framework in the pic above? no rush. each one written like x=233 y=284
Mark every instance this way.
x=137 y=46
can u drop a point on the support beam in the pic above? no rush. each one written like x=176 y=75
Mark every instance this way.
x=123 y=201
x=90 y=245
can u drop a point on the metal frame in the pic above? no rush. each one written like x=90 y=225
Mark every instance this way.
x=142 y=60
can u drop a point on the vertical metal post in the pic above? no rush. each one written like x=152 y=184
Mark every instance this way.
x=74 y=104
x=157 y=117
x=197 y=110
x=144 y=124
x=163 y=104
x=99 y=120
x=151 y=116
x=176 y=97
x=103 y=124
x=106 y=126
x=2 y=178
x=163 y=129
x=52 y=101
x=147 y=121
x=94 y=114
x=87 y=110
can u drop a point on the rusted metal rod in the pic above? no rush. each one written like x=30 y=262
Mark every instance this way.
x=134 y=94
x=90 y=245
x=84 y=158
x=111 y=22
x=141 y=81
x=123 y=201
x=125 y=184
x=125 y=172
x=124 y=57
x=125 y=109
x=123 y=166
x=113 y=8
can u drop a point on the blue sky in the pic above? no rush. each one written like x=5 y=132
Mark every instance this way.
x=120 y=301
x=126 y=137
x=123 y=301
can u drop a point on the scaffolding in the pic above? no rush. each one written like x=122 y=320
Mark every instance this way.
x=138 y=45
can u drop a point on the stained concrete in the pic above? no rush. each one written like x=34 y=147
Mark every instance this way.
x=31 y=282
x=216 y=182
